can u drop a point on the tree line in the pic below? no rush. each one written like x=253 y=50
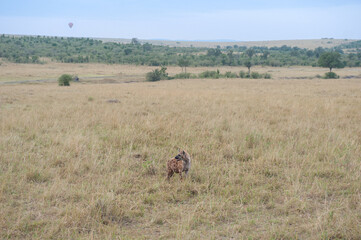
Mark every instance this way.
x=30 y=49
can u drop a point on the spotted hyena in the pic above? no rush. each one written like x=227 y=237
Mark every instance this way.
x=179 y=164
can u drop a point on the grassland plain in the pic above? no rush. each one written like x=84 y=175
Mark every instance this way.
x=272 y=159
x=113 y=73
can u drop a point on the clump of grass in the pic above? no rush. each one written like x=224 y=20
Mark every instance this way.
x=109 y=212
x=252 y=140
x=149 y=168
x=36 y=177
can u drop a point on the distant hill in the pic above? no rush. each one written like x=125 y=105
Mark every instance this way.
x=305 y=43
x=308 y=43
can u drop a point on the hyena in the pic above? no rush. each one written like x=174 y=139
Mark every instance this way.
x=179 y=164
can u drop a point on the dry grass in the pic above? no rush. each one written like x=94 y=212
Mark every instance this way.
x=110 y=73
x=272 y=159
x=52 y=70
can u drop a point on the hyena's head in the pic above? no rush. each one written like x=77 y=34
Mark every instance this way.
x=183 y=155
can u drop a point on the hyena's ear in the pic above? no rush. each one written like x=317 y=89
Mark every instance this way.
x=183 y=152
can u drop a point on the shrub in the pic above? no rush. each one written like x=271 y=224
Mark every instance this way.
x=210 y=74
x=157 y=75
x=64 y=80
x=256 y=75
x=153 y=76
x=183 y=76
x=331 y=75
x=242 y=74
x=230 y=75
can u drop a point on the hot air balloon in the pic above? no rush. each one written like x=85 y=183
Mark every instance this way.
x=70 y=24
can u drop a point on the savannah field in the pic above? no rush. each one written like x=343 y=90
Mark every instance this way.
x=272 y=158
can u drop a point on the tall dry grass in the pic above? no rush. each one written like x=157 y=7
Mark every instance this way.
x=272 y=159
x=110 y=73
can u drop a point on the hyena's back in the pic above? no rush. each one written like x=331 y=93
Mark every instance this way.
x=174 y=166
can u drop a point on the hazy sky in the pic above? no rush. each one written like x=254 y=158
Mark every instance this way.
x=184 y=20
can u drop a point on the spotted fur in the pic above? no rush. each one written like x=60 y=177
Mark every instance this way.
x=179 y=164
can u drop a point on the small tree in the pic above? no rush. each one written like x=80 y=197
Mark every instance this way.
x=64 y=80
x=250 y=52
x=35 y=59
x=184 y=63
x=318 y=51
x=330 y=60
x=128 y=51
x=248 y=64
x=265 y=54
x=147 y=47
x=135 y=41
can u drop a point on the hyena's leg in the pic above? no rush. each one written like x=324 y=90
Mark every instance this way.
x=186 y=173
x=181 y=177
x=170 y=174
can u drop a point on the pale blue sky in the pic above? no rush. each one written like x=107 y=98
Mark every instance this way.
x=184 y=20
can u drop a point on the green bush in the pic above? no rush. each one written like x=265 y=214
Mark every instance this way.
x=153 y=76
x=331 y=75
x=210 y=74
x=157 y=75
x=64 y=80
x=230 y=75
x=242 y=74
x=183 y=76
x=256 y=75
